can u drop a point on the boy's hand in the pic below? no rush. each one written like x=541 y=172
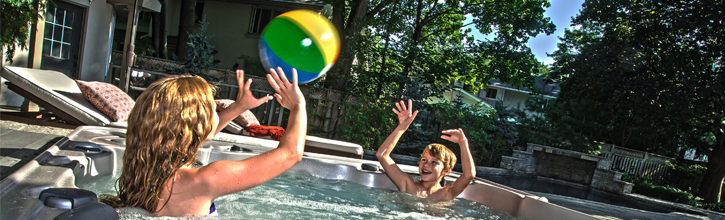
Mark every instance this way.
x=455 y=136
x=288 y=94
x=244 y=97
x=405 y=114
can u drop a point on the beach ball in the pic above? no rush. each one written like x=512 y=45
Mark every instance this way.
x=300 y=39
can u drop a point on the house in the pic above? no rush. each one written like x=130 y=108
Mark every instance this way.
x=74 y=37
x=515 y=97
x=466 y=97
x=98 y=27
x=512 y=96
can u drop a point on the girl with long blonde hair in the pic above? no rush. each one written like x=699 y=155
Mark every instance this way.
x=167 y=126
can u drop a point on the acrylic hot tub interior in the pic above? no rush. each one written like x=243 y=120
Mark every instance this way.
x=64 y=166
x=534 y=184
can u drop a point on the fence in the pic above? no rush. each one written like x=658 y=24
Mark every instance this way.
x=649 y=165
x=323 y=105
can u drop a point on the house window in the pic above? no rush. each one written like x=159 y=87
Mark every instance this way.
x=491 y=93
x=144 y=16
x=260 y=18
x=58 y=32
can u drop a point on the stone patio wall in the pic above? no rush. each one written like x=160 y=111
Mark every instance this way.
x=566 y=165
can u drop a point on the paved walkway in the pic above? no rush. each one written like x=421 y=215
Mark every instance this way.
x=20 y=143
x=606 y=211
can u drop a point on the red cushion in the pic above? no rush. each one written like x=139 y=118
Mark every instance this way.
x=275 y=132
x=107 y=98
x=245 y=119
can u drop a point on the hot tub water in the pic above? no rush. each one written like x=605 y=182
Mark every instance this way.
x=299 y=195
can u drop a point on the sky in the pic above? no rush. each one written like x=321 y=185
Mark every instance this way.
x=560 y=12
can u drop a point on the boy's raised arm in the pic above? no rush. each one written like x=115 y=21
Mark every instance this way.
x=405 y=117
x=469 y=169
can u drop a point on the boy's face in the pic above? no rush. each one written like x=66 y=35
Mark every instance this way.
x=430 y=168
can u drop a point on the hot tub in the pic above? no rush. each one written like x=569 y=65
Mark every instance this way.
x=92 y=152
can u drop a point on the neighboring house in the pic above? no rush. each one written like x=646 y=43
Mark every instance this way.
x=515 y=97
x=512 y=96
x=466 y=97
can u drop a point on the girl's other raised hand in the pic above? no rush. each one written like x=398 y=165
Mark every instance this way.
x=245 y=96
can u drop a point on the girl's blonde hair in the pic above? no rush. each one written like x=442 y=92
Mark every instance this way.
x=445 y=155
x=166 y=127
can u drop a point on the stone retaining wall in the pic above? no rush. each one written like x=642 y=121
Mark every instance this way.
x=566 y=165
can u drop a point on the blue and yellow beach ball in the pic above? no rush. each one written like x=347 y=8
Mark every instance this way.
x=300 y=39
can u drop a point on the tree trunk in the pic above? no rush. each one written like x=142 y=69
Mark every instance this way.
x=712 y=182
x=163 y=36
x=348 y=37
x=186 y=24
x=156 y=33
x=710 y=188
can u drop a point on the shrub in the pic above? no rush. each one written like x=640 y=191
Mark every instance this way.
x=645 y=186
x=367 y=123
x=718 y=207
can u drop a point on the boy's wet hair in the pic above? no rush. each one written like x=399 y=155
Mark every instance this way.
x=445 y=155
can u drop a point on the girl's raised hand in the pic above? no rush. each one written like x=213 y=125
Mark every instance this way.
x=455 y=136
x=288 y=93
x=245 y=97
x=405 y=113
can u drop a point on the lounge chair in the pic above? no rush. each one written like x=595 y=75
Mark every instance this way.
x=65 y=106
x=58 y=94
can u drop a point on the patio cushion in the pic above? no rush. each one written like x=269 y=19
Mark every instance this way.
x=108 y=98
x=275 y=132
x=245 y=119
x=58 y=90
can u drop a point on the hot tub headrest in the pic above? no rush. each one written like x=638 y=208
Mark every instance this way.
x=81 y=204
x=95 y=211
x=67 y=198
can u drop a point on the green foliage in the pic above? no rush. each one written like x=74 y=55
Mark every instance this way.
x=477 y=124
x=430 y=40
x=718 y=207
x=651 y=75
x=18 y=16
x=645 y=186
x=692 y=171
x=143 y=48
x=505 y=135
x=368 y=122
x=199 y=58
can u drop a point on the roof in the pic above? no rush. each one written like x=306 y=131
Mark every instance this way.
x=547 y=86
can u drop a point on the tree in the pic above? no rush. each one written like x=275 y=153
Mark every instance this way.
x=187 y=16
x=416 y=49
x=18 y=16
x=429 y=37
x=199 y=57
x=350 y=18
x=160 y=32
x=654 y=71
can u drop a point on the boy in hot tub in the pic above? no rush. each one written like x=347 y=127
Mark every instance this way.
x=435 y=162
